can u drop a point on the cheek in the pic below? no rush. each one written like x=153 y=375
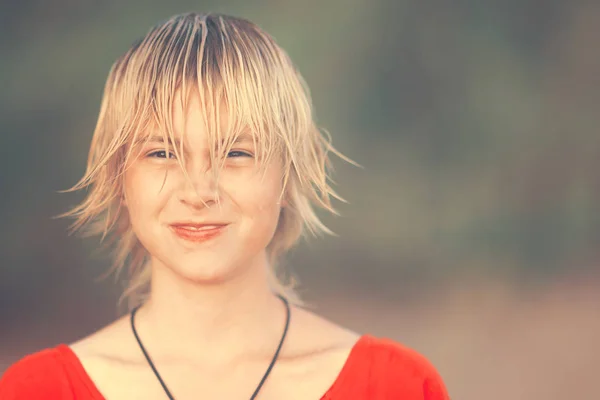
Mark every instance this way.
x=257 y=197
x=142 y=191
x=132 y=189
x=131 y=198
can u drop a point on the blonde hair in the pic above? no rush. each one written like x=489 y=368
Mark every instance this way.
x=233 y=64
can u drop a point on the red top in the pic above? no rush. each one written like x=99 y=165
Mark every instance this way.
x=376 y=369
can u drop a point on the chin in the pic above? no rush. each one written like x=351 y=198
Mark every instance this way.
x=205 y=272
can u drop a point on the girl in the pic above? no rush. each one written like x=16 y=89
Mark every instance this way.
x=204 y=169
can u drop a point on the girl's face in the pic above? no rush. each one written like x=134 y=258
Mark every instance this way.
x=200 y=230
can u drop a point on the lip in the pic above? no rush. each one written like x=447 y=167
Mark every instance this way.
x=195 y=232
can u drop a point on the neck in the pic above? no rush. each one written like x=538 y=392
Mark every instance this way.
x=187 y=320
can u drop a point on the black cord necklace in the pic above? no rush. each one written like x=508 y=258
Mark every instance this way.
x=265 y=376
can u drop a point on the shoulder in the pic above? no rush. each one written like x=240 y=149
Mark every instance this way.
x=111 y=341
x=385 y=352
x=401 y=370
x=378 y=367
x=36 y=376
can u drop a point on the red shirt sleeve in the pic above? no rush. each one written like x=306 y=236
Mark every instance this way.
x=35 y=377
x=404 y=373
x=434 y=388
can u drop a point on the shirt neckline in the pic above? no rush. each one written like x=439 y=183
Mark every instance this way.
x=72 y=360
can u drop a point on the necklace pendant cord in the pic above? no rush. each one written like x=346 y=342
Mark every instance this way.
x=266 y=374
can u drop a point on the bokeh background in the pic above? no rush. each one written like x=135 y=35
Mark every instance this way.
x=471 y=234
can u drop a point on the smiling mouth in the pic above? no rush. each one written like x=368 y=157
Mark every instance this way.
x=198 y=233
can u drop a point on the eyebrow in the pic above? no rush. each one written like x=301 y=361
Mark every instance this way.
x=156 y=139
x=242 y=138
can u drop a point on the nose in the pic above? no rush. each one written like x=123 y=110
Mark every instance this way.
x=199 y=188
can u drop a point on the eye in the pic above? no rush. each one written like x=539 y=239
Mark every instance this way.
x=238 y=153
x=161 y=154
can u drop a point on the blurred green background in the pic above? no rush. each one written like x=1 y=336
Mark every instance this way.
x=471 y=234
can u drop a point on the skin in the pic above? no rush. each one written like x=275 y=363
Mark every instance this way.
x=211 y=324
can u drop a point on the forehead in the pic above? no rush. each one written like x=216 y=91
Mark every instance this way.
x=191 y=118
x=190 y=112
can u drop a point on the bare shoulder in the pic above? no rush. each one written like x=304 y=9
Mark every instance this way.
x=313 y=356
x=107 y=346
x=111 y=333
x=312 y=335
x=328 y=347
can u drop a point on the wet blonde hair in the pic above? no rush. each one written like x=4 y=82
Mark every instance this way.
x=235 y=66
